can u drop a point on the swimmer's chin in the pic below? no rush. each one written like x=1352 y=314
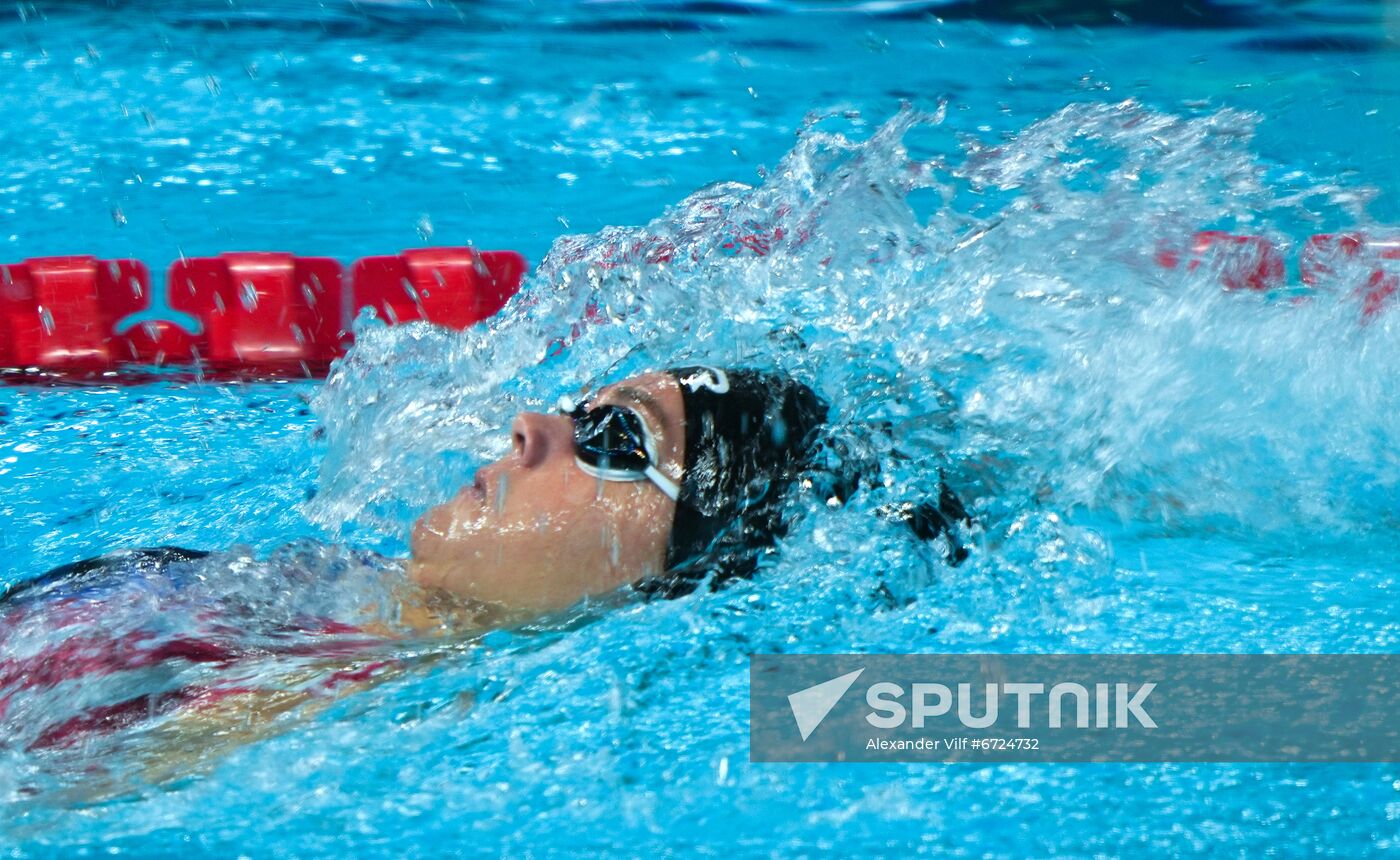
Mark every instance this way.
x=432 y=575
x=434 y=530
x=421 y=573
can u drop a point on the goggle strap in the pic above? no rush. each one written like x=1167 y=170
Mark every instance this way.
x=663 y=483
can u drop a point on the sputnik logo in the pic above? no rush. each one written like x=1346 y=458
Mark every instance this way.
x=810 y=706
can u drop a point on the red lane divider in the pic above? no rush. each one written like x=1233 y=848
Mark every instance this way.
x=256 y=313
x=277 y=314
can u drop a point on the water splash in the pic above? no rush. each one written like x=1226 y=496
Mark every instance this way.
x=1020 y=335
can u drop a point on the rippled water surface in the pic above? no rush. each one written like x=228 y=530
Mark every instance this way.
x=946 y=217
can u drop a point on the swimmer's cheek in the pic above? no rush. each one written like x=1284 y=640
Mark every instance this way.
x=429 y=533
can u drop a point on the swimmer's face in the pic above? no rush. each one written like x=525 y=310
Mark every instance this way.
x=536 y=533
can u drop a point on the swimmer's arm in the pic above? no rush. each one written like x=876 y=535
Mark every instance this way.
x=206 y=731
x=202 y=732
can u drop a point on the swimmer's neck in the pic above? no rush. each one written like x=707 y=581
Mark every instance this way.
x=431 y=611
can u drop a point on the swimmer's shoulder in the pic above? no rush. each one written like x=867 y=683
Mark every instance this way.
x=93 y=571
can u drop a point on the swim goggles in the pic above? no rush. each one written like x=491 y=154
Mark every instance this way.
x=614 y=443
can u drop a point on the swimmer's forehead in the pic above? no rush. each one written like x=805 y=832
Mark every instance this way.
x=627 y=395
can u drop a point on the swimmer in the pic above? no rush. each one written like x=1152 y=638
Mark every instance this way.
x=660 y=484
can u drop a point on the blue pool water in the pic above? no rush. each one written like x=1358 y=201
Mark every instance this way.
x=1156 y=465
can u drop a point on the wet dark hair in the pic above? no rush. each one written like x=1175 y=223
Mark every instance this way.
x=749 y=434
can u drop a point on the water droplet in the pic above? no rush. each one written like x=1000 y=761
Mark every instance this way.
x=248 y=295
x=424 y=226
x=501 y=494
x=118 y=216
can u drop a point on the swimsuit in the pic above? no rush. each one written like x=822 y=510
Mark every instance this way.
x=115 y=641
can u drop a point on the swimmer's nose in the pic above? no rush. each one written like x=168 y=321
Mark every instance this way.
x=536 y=437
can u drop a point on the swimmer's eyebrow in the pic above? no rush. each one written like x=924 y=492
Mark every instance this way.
x=648 y=403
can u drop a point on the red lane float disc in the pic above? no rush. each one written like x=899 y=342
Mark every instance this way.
x=1242 y=262
x=1367 y=263
x=262 y=311
x=58 y=313
x=455 y=287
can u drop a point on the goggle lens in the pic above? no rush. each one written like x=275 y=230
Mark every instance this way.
x=611 y=438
